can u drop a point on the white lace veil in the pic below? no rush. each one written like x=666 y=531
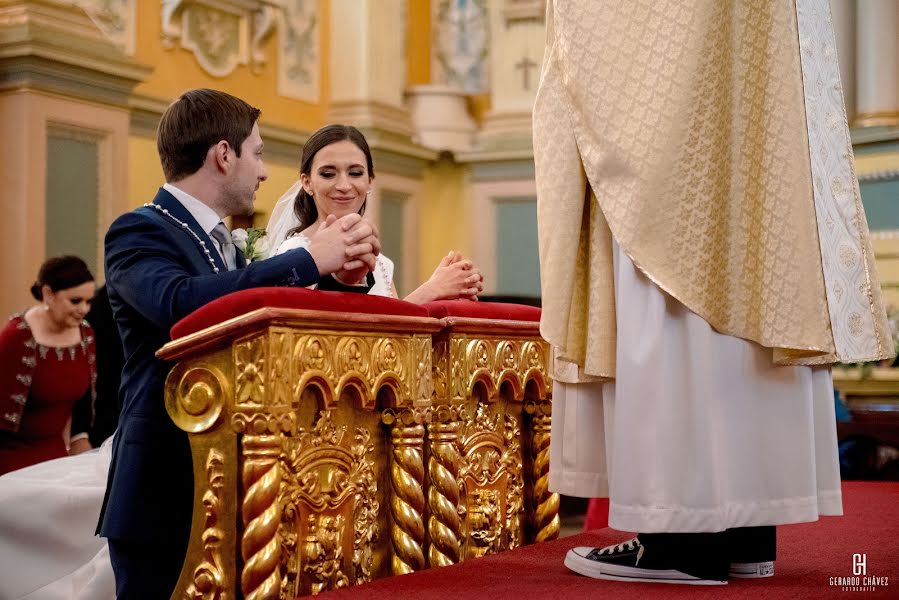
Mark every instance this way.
x=282 y=220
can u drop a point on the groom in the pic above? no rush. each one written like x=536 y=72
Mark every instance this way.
x=163 y=261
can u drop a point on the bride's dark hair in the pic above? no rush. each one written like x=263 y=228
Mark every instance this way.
x=303 y=204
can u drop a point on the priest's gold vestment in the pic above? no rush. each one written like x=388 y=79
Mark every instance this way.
x=710 y=139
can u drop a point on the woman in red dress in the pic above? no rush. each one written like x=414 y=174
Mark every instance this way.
x=48 y=366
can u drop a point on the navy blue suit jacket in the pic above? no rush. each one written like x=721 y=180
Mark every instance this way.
x=157 y=273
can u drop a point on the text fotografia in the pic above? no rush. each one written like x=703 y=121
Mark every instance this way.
x=860 y=581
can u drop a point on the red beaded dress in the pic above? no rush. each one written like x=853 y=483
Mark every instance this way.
x=41 y=387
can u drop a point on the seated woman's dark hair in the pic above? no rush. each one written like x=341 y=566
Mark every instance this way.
x=61 y=273
x=303 y=204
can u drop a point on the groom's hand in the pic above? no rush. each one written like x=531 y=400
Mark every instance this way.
x=339 y=243
x=362 y=257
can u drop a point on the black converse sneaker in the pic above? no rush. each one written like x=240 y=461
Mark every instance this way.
x=658 y=559
x=752 y=570
x=752 y=551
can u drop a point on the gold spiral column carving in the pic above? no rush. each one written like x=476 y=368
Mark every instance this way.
x=407 y=502
x=260 y=547
x=546 y=512
x=444 y=522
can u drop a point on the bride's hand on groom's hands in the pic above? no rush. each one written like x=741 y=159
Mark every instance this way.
x=348 y=245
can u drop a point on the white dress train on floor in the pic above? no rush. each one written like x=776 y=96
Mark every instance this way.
x=717 y=437
x=48 y=514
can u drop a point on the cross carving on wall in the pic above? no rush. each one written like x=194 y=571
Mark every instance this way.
x=525 y=65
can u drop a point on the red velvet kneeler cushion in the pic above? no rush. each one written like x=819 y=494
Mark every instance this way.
x=497 y=311
x=239 y=303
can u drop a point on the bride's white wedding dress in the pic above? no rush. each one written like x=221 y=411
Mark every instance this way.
x=48 y=514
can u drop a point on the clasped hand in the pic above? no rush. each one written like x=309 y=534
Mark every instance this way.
x=348 y=247
x=455 y=277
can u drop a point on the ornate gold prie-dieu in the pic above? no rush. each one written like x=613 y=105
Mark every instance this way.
x=488 y=442
x=331 y=450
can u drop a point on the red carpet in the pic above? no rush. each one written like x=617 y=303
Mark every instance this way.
x=808 y=556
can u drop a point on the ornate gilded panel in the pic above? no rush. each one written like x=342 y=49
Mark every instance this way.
x=491 y=480
x=460 y=361
x=328 y=508
x=209 y=577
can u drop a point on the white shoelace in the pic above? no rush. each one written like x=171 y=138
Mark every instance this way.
x=629 y=545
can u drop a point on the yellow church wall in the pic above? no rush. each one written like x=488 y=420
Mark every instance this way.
x=144 y=171
x=177 y=69
x=444 y=215
x=419 y=43
x=280 y=178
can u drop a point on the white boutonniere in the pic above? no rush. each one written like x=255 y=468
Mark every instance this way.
x=250 y=242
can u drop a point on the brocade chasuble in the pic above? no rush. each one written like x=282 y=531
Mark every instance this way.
x=709 y=138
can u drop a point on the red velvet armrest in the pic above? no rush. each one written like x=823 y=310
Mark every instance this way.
x=497 y=311
x=239 y=303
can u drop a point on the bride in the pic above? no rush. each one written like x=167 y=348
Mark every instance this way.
x=336 y=175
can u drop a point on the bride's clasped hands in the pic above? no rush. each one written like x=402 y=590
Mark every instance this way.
x=455 y=277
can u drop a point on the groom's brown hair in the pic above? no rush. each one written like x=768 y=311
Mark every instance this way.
x=196 y=121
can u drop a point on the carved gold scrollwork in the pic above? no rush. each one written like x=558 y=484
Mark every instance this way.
x=353 y=355
x=208 y=577
x=422 y=356
x=479 y=355
x=261 y=423
x=313 y=353
x=249 y=361
x=387 y=357
x=322 y=553
x=329 y=507
x=532 y=356
x=485 y=522
x=279 y=370
x=444 y=522
x=491 y=482
x=459 y=369
x=197 y=399
x=515 y=483
x=506 y=357
x=546 y=514
x=441 y=369
x=407 y=503
x=260 y=546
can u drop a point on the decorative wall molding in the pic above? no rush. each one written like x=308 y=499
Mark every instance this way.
x=59 y=47
x=117 y=19
x=223 y=34
x=524 y=10
x=218 y=32
x=461 y=42
x=879 y=176
x=298 y=46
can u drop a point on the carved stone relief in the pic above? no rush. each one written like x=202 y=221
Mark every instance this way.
x=223 y=34
x=461 y=36
x=298 y=47
x=115 y=18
